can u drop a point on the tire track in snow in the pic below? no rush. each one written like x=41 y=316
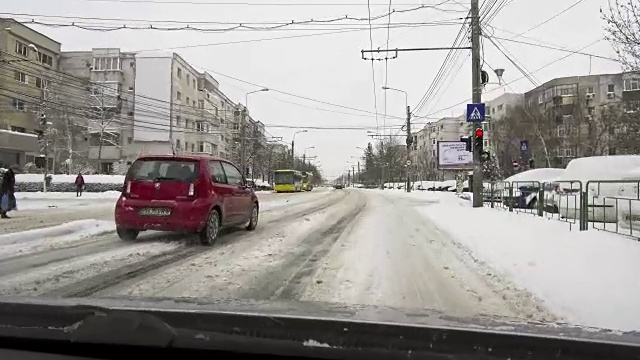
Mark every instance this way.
x=113 y=277
x=287 y=280
x=155 y=264
x=229 y=250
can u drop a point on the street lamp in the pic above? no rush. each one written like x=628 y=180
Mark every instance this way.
x=242 y=130
x=304 y=154
x=293 y=143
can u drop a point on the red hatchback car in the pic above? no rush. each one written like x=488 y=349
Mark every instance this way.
x=179 y=193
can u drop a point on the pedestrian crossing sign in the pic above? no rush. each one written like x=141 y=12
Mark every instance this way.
x=475 y=112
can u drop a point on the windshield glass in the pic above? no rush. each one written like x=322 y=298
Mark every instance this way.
x=182 y=170
x=326 y=156
x=283 y=178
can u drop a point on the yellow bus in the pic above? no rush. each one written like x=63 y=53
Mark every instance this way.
x=287 y=181
x=307 y=179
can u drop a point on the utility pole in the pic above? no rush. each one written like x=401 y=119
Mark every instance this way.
x=242 y=144
x=293 y=155
x=476 y=99
x=409 y=142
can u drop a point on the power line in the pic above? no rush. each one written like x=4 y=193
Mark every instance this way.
x=509 y=57
x=556 y=48
x=343 y=18
x=551 y=18
x=518 y=79
x=240 y=3
x=373 y=71
x=386 y=67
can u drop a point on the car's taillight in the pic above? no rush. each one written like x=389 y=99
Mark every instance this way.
x=192 y=189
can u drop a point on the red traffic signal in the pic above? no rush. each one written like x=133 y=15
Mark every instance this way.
x=479 y=132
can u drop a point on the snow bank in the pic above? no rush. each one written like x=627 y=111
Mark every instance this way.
x=590 y=278
x=89 y=179
x=112 y=195
x=541 y=175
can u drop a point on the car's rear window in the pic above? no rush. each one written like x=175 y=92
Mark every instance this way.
x=163 y=170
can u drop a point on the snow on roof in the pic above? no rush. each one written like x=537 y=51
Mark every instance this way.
x=612 y=167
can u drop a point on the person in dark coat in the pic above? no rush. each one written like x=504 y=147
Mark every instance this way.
x=7 y=196
x=79 y=184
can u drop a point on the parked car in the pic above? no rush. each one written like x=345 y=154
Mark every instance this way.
x=194 y=194
x=338 y=186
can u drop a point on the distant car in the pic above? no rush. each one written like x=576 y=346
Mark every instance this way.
x=338 y=186
x=195 y=194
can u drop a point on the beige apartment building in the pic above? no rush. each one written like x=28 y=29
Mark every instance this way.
x=28 y=79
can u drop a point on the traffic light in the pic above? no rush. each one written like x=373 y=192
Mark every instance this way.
x=467 y=141
x=478 y=142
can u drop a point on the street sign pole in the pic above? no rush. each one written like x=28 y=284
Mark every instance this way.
x=476 y=93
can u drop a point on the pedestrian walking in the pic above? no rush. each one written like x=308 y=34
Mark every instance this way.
x=79 y=184
x=7 y=193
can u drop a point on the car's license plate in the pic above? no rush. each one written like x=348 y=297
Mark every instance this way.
x=155 y=212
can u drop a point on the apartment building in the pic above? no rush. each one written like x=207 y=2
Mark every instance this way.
x=168 y=116
x=426 y=140
x=495 y=110
x=572 y=103
x=102 y=81
x=29 y=74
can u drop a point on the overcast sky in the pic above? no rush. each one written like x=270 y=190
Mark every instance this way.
x=329 y=67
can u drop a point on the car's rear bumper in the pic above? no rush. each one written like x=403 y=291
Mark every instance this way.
x=186 y=216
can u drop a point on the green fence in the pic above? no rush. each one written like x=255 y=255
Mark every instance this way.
x=612 y=206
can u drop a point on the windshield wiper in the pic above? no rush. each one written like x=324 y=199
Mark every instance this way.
x=160 y=178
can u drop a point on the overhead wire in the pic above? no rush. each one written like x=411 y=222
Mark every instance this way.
x=518 y=79
x=386 y=67
x=373 y=70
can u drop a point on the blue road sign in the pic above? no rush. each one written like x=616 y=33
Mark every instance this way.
x=475 y=112
x=524 y=145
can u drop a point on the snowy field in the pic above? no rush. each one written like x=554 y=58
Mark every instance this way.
x=422 y=250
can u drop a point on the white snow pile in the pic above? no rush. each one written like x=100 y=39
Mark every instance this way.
x=21 y=243
x=63 y=178
x=588 y=277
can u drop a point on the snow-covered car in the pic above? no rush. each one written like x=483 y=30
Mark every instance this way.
x=526 y=185
x=603 y=198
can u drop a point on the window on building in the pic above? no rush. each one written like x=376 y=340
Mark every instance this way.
x=42 y=83
x=193 y=147
x=193 y=103
x=203 y=147
x=611 y=88
x=631 y=84
x=45 y=59
x=590 y=90
x=188 y=101
x=187 y=124
x=178 y=121
x=22 y=48
x=178 y=144
x=194 y=84
x=200 y=104
x=106 y=63
x=179 y=74
x=201 y=126
x=19 y=104
x=188 y=79
x=186 y=146
x=179 y=95
x=21 y=77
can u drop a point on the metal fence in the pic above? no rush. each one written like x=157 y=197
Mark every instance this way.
x=612 y=206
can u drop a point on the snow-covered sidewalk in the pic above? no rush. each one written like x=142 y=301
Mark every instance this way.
x=589 y=278
x=41 y=200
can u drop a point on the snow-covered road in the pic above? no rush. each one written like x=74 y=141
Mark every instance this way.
x=347 y=246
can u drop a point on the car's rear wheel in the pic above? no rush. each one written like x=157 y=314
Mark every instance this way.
x=127 y=234
x=253 y=220
x=209 y=235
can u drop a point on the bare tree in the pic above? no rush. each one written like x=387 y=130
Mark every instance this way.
x=622 y=27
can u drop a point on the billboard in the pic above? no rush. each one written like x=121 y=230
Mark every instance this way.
x=453 y=155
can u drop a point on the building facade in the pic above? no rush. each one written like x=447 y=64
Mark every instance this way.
x=495 y=111
x=29 y=79
x=102 y=81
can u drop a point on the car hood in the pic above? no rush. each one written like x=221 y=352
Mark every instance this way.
x=323 y=311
